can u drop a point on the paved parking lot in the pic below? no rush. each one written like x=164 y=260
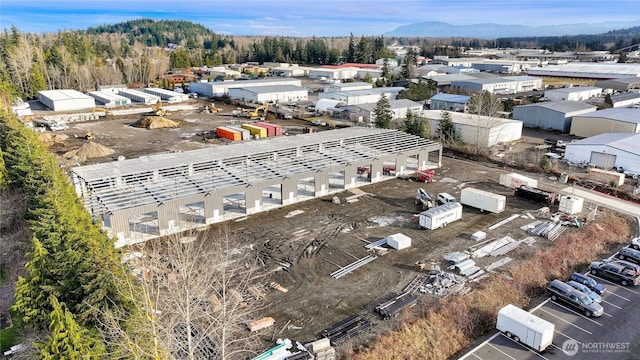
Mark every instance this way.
x=612 y=336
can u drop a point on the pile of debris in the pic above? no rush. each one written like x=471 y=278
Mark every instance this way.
x=52 y=139
x=347 y=329
x=89 y=150
x=438 y=283
x=393 y=306
x=548 y=230
x=155 y=122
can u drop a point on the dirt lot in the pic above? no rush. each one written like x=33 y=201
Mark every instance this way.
x=324 y=236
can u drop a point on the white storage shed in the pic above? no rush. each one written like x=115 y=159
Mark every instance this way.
x=167 y=95
x=399 y=241
x=478 y=130
x=109 y=99
x=66 y=100
x=399 y=110
x=606 y=151
x=551 y=115
x=269 y=94
x=579 y=93
x=618 y=120
x=139 y=96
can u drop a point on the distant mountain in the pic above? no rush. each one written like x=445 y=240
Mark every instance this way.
x=492 y=31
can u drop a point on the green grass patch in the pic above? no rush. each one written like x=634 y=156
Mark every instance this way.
x=3 y=274
x=8 y=338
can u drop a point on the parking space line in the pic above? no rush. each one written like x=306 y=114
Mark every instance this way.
x=610 y=304
x=568 y=322
x=609 y=315
x=612 y=283
x=620 y=296
x=567 y=336
x=477 y=356
x=486 y=342
x=505 y=354
x=526 y=348
x=577 y=313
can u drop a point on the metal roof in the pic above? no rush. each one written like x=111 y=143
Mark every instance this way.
x=622 y=141
x=394 y=104
x=63 y=94
x=461 y=99
x=157 y=178
x=621 y=114
x=562 y=106
x=270 y=89
x=574 y=89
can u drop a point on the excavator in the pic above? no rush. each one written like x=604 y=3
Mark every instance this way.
x=255 y=114
x=157 y=110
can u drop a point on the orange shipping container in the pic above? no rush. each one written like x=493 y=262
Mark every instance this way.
x=223 y=132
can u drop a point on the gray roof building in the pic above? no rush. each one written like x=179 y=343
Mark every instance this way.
x=619 y=120
x=607 y=150
x=551 y=115
x=450 y=102
x=620 y=84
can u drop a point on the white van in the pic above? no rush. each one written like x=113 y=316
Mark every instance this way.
x=445 y=198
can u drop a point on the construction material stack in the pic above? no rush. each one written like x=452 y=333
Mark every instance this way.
x=322 y=349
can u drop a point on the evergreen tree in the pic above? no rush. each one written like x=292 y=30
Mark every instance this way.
x=37 y=82
x=382 y=113
x=351 y=50
x=447 y=131
x=68 y=340
x=409 y=65
x=415 y=124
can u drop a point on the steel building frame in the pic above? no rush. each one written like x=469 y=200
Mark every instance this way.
x=125 y=194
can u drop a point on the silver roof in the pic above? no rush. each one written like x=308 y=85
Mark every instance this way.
x=621 y=114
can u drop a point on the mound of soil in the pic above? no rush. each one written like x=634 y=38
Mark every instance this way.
x=89 y=150
x=52 y=139
x=155 y=122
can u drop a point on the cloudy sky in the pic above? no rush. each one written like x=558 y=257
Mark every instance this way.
x=310 y=17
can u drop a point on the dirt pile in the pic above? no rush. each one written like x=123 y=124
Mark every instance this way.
x=155 y=122
x=53 y=139
x=89 y=150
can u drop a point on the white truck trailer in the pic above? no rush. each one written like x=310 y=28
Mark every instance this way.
x=525 y=328
x=440 y=216
x=483 y=200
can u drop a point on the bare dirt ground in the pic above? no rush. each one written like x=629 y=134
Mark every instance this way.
x=300 y=252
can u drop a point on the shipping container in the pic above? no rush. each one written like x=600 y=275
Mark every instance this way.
x=535 y=194
x=226 y=133
x=514 y=180
x=246 y=135
x=483 y=200
x=570 y=204
x=606 y=177
x=525 y=328
x=440 y=216
x=256 y=130
x=272 y=129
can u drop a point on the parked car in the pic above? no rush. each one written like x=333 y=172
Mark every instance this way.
x=627 y=253
x=615 y=272
x=561 y=291
x=633 y=267
x=585 y=289
x=590 y=282
x=635 y=243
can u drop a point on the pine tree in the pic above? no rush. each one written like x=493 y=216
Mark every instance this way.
x=382 y=113
x=68 y=340
x=447 y=130
x=415 y=124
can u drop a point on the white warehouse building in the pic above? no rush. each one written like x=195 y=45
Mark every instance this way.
x=553 y=115
x=501 y=85
x=139 y=96
x=167 y=95
x=619 y=120
x=109 y=99
x=221 y=88
x=607 y=150
x=399 y=109
x=349 y=86
x=579 y=93
x=478 y=130
x=269 y=94
x=66 y=100
x=357 y=97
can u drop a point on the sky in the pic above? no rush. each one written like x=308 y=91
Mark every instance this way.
x=309 y=17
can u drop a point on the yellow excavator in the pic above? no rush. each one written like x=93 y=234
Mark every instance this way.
x=158 y=110
x=256 y=113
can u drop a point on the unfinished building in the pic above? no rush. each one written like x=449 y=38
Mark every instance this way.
x=152 y=196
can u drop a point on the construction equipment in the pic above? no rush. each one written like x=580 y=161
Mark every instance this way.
x=211 y=108
x=425 y=175
x=157 y=110
x=259 y=113
x=424 y=199
x=89 y=135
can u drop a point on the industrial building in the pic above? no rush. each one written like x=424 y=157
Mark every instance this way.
x=500 y=85
x=619 y=100
x=357 y=97
x=579 y=93
x=221 y=88
x=449 y=102
x=606 y=151
x=619 y=84
x=110 y=99
x=66 y=100
x=269 y=94
x=349 y=86
x=399 y=108
x=152 y=196
x=167 y=95
x=139 y=96
x=555 y=115
x=620 y=120
x=588 y=70
x=478 y=130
